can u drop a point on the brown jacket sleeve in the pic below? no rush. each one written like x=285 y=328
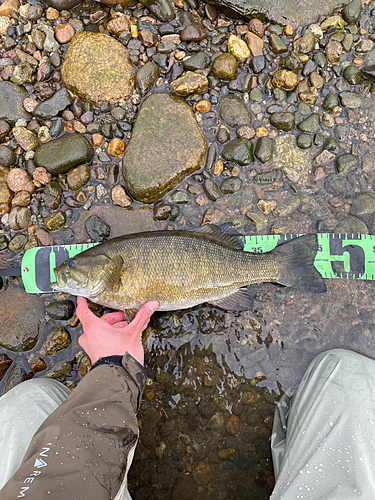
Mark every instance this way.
x=81 y=450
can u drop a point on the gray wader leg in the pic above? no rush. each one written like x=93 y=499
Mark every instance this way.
x=22 y=411
x=323 y=446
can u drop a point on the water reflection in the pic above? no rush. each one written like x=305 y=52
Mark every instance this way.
x=279 y=338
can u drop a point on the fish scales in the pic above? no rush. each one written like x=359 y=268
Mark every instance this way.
x=180 y=271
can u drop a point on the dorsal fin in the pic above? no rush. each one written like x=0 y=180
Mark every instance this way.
x=111 y=273
x=225 y=235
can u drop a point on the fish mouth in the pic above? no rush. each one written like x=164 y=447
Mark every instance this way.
x=61 y=280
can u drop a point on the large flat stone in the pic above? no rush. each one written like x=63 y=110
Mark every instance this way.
x=97 y=68
x=293 y=12
x=166 y=146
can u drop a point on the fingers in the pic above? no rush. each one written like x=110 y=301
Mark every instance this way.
x=143 y=316
x=120 y=324
x=115 y=317
x=83 y=312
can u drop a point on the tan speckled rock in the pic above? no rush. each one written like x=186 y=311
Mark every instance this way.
x=285 y=79
x=118 y=25
x=8 y=7
x=4 y=24
x=19 y=180
x=294 y=162
x=120 y=197
x=238 y=48
x=189 y=83
x=97 y=68
x=41 y=175
x=25 y=138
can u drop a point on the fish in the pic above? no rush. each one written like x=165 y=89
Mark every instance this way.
x=182 y=269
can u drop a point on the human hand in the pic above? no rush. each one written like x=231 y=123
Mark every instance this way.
x=111 y=334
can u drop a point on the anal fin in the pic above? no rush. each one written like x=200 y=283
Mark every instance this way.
x=241 y=300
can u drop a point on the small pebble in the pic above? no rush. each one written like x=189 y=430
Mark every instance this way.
x=203 y=106
x=52 y=14
x=64 y=33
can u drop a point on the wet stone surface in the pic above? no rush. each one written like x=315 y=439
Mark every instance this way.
x=275 y=134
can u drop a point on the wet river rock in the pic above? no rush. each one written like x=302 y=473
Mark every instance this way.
x=57 y=340
x=234 y=112
x=62 y=4
x=60 y=370
x=11 y=102
x=5 y=363
x=97 y=68
x=162 y=9
x=294 y=162
x=7 y=156
x=166 y=145
x=351 y=224
x=97 y=228
x=24 y=317
x=51 y=107
x=239 y=151
x=62 y=309
x=62 y=154
x=16 y=376
x=293 y=12
x=146 y=77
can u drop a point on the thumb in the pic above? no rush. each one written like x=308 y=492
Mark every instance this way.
x=83 y=312
x=143 y=316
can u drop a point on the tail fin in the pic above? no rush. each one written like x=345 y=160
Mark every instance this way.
x=297 y=265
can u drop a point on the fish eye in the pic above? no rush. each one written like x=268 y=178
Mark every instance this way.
x=72 y=263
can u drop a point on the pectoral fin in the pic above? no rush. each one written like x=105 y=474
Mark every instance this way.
x=130 y=314
x=241 y=300
x=112 y=273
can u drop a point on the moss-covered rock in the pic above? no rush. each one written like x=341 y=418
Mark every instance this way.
x=166 y=145
x=234 y=112
x=97 y=68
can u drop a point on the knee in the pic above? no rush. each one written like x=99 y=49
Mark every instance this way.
x=342 y=355
x=35 y=385
x=343 y=360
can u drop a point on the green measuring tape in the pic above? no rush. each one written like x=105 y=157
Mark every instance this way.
x=345 y=256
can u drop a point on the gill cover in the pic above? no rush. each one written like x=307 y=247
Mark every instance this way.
x=89 y=275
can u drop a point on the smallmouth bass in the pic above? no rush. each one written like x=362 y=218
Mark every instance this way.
x=181 y=269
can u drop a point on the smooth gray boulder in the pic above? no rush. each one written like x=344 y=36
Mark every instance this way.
x=293 y=12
